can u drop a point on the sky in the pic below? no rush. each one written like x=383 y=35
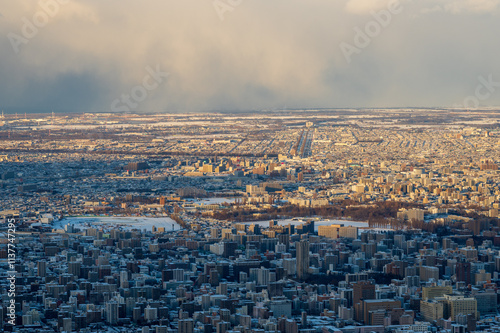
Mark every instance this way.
x=240 y=55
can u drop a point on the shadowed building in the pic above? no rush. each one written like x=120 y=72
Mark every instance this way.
x=302 y=249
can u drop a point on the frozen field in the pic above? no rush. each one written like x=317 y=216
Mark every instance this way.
x=316 y=223
x=210 y=201
x=121 y=222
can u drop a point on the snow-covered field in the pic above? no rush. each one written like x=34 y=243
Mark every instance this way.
x=210 y=201
x=316 y=223
x=120 y=222
x=147 y=223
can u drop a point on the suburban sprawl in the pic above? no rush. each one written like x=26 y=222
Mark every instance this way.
x=281 y=221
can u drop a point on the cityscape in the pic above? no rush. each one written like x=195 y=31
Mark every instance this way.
x=250 y=166
x=290 y=221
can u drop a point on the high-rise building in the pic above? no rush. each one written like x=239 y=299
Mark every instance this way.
x=399 y=240
x=186 y=326
x=124 y=279
x=229 y=249
x=464 y=272
x=178 y=274
x=349 y=232
x=135 y=166
x=74 y=268
x=150 y=313
x=281 y=306
x=290 y=265
x=27 y=320
x=431 y=310
x=42 y=268
x=302 y=249
x=460 y=305
x=205 y=302
x=112 y=312
x=429 y=293
x=486 y=301
x=284 y=239
x=363 y=290
x=67 y=324
x=254 y=229
x=330 y=231
x=369 y=249
x=429 y=272
x=370 y=306
x=222 y=327
x=2 y=317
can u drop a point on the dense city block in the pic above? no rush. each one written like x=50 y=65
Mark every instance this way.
x=288 y=221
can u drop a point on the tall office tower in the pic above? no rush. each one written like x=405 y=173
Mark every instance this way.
x=302 y=249
x=42 y=268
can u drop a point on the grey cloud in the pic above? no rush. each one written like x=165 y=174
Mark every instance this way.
x=261 y=56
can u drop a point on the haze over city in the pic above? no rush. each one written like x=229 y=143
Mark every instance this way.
x=247 y=55
x=250 y=166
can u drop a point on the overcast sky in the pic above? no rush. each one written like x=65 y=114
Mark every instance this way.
x=247 y=54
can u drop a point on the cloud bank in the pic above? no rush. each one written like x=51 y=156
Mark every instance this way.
x=260 y=55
